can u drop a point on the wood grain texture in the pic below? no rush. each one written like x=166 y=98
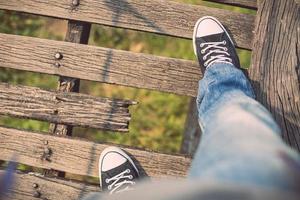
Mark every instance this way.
x=49 y=188
x=64 y=108
x=100 y=64
x=252 y=4
x=81 y=157
x=276 y=63
x=157 y=16
x=77 y=32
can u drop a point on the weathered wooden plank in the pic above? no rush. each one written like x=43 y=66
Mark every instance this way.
x=81 y=157
x=100 y=64
x=275 y=66
x=64 y=108
x=158 y=16
x=252 y=4
x=46 y=188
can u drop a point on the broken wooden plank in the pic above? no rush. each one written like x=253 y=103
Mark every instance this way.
x=275 y=70
x=81 y=157
x=157 y=16
x=251 y=4
x=100 y=64
x=64 y=108
x=32 y=186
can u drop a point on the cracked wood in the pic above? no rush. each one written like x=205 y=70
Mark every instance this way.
x=64 y=108
x=276 y=62
x=48 y=188
x=77 y=32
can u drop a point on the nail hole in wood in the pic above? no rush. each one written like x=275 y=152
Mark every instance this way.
x=57 y=65
x=36 y=194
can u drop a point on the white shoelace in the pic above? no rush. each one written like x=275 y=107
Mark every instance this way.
x=115 y=185
x=215 y=47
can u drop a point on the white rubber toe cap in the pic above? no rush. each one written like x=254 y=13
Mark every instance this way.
x=205 y=26
x=112 y=160
x=208 y=26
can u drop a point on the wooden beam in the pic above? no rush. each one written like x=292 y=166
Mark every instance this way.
x=77 y=32
x=64 y=108
x=251 y=4
x=275 y=67
x=81 y=157
x=100 y=64
x=26 y=186
x=157 y=16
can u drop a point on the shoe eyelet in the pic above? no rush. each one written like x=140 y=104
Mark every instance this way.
x=130 y=177
x=205 y=64
x=109 y=187
x=201 y=45
x=128 y=170
x=106 y=181
x=204 y=58
x=202 y=51
x=224 y=42
x=225 y=49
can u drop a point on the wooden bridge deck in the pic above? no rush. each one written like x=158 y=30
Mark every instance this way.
x=275 y=74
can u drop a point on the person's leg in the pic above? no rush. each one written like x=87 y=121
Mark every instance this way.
x=241 y=142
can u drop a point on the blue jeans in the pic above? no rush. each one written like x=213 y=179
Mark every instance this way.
x=241 y=143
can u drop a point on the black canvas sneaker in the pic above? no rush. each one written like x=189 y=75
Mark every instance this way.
x=213 y=44
x=117 y=172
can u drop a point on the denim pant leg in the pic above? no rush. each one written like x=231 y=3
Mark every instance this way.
x=241 y=142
